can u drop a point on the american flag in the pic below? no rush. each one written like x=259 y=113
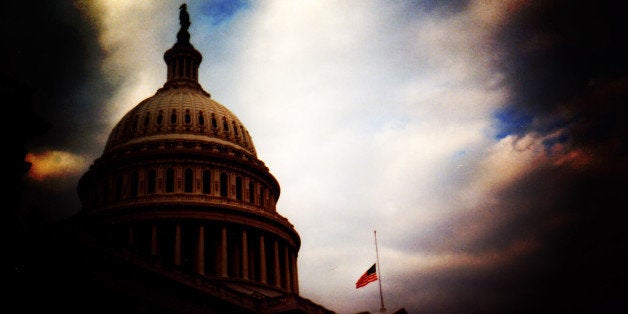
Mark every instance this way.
x=368 y=277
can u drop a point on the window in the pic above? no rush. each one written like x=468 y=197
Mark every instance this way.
x=238 y=188
x=214 y=123
x=134 y=126
x=251 y=192
x=225 y=126
x=201 y=119
x=135 y=179
x=187 y=118
x=223 y=184
x=173 y=117
x=206 y=182
x=152 y=179
x=261 y=196
x=235 y=129
x=160 y=118
x=188 y=179
x=146 y=119
x=169 y=180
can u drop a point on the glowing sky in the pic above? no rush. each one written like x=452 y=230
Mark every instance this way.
x=469 y=134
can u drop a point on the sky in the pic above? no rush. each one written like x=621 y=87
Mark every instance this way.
x=484 y=141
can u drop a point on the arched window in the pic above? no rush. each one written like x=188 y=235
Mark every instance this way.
x=187 y=118
x=188 y=179
x=169 y=180
x=173 y=116
x=135 y=183
x=223 y=184
x=251 y=192
x=152 y=180
x=146 y=119
x=235 y=128
x=207 y=184
x=261 y=196
x=214 y=123
x=225 y=126
x=160 y=117
x=238 y=188
x=201 y=119
x=134 y=126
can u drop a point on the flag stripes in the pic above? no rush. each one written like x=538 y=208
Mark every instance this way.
x=369 y=276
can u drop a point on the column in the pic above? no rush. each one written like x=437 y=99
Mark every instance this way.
x=153 y=240
x=276 y=262
x=262 y=259
x=200 y=250
x=177 y=244
x=223 y=252
x=295 y=274
x=286 y=259
x=185 y=67
x=245 y=256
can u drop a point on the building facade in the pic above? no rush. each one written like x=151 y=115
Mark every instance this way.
x=180 y=194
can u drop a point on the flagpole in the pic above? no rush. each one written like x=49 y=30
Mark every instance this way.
x=379 y=275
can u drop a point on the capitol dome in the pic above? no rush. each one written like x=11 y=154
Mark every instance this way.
x=181 y=110
x=180 y=114
x=179 y=191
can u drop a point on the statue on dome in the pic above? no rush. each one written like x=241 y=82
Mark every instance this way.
x=184 y=19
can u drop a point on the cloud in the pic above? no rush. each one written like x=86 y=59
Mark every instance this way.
x=495 y=14
x=55 y=164
x=370 y=120
x=133 y=61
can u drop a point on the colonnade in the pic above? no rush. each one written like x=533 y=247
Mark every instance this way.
x=217 y=250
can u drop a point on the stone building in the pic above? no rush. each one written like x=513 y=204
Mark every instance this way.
x=179 y=214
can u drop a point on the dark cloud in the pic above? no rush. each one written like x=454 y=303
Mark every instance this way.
x=52 y=50
x=576 y=262
x=557 y=54
x=575 y=218
x=51 y=200
x=568 y=70
x=52 y=92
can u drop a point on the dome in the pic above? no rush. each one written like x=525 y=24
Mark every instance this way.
x=182 y=113
x=179 y=191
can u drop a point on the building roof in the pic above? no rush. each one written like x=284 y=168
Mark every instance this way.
x=184 y=113
x=181 y=109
